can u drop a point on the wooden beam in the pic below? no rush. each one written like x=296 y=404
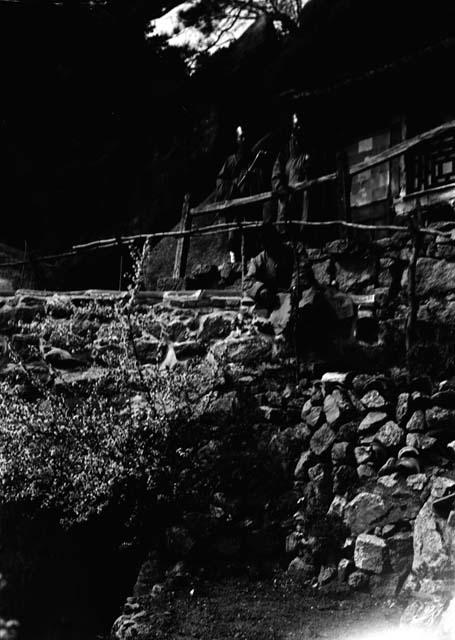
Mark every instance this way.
x=397 y=166
x=183 y=243
x=411 y=321
x=400 y=148
x=435 y=195
x=343 y=186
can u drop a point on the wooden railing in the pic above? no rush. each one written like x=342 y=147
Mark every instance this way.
x=186 y=230
x=343 y=176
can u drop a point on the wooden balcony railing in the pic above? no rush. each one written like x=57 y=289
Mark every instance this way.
x=343 y=175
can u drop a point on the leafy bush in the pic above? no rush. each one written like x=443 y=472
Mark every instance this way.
x=77 y=455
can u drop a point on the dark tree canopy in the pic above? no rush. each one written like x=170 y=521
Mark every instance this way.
x=84 y=93
x=103 y=128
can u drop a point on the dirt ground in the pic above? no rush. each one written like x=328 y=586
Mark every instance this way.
x=247 y=610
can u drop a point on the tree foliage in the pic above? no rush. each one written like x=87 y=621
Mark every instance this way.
x=77 y=458
x=210 y=14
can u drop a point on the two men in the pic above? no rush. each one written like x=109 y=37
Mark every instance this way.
x=241 y=175
x=244 y=173
x=279 y=278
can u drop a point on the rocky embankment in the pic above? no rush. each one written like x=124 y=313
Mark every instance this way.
x=340 y=476
x=370 y=499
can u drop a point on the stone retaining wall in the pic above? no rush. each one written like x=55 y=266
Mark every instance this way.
x=336 y=437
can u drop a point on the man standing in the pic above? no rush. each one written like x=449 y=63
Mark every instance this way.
x=240 y=176
x=291 y=167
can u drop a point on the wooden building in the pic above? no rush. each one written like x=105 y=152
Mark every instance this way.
x=370 y=75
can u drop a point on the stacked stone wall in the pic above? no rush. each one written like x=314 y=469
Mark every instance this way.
x=362 y=456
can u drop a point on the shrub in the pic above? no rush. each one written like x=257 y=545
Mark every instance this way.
x=76 y=456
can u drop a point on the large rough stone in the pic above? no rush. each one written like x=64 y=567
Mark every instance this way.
x=364 y=511
x=373 y=401
x=326 y=575
x=337 y=507
x=355 y=272
x=424 y=614
x=62 y=359
x=319 y=473
x=301 y=569
x=433 y=547
x=417 y=481
x=434 y=277
x=365 y=471
x=345 y=568
x=188 y=349
x=363 y=454
x=305 y=461
x=420 y=441
x=364 y=382
x=322 y=440
x=337 y=407
x=403 y=410
x=442 y=486
x=390 y=481
x=341 y=453
x=332 y=379
x=372 y=421
x=390 y=435
x=314 y=418
x=400 y=550
x=359 y=581
x=215 y=325
x=177 y=331
x=149 y=349
x=370 y=553
x=293 y=542
x=80 y=379
x=416 y=422
x=247 y=350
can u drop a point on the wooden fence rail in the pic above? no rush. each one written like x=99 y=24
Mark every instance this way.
x=369 y=163
x=110 y=243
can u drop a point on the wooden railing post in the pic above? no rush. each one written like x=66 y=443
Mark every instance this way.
x=183 y=242
x=343 y=186
x=413 y=303
x=120 y=260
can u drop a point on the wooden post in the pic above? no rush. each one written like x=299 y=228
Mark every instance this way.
x=397 y=166
x=412 y=297
x=343 y=186
x=183 y=242
x=242 y=252
x=120 y=267
x=24 y=265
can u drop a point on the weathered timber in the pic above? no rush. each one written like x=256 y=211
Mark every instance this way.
x=412 y=297
x=343 y=186
x=400 y=148
x=181 y=253
x=221 y=228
